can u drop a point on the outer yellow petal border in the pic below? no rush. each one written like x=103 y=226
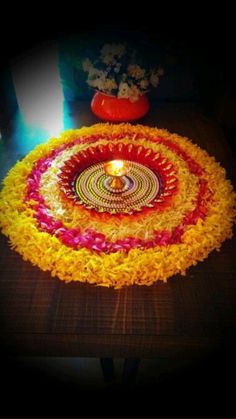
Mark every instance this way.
x=142 y=267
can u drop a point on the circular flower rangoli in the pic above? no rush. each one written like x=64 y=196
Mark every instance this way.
x=61 y=213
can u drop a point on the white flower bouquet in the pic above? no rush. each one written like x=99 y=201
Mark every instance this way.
x=119 y=72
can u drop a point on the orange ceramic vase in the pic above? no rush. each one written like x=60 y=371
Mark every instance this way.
x=111 y=108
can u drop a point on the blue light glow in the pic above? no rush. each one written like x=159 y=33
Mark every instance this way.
x=39 y=91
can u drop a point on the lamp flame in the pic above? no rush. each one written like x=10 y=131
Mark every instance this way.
x=116 y=168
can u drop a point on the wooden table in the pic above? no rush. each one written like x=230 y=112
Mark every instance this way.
x=186 y=317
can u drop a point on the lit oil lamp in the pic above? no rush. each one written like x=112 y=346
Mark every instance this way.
x=116 y=169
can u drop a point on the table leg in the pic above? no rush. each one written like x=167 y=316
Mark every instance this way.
x=107 y=369
x=130 y=370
